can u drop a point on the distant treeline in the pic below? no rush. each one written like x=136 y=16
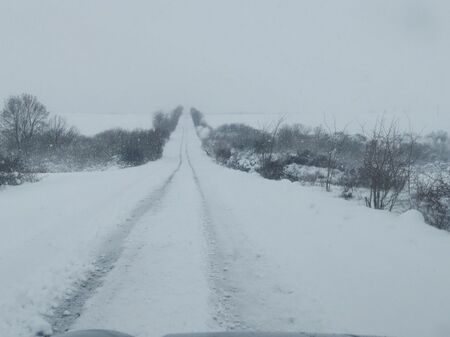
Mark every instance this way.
x=392 y=168
x=32 y=142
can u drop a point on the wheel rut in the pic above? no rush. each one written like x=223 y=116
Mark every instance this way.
x=225 y=311
x=70 y=308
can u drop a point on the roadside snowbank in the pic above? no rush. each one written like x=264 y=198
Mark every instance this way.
x=301 y=259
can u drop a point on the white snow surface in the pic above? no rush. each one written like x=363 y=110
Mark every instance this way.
x=222 y=250
x=51 y=231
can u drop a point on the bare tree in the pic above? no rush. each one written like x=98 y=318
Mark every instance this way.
x=58 y=130
x=331 y=167
x=272 y=140
x=21 y=119
x=269 y=167
x=335 y=142
x=387 y=164
x=412 y=158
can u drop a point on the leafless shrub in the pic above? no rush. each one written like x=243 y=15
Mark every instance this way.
x=349 y=182
x=386 y=166
x=336 y=140
x=270 y=167
x=59 y=132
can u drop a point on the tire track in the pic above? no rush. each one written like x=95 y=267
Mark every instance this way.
x=69 y=309
x=226 y=313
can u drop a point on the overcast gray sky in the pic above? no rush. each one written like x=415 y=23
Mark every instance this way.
x=341 y=58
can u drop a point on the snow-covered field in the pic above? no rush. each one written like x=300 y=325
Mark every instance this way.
x=90 y=124
x=217 y=249
x=354 y=123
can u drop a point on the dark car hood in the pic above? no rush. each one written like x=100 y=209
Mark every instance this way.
x=264 y=334
x=108 y=333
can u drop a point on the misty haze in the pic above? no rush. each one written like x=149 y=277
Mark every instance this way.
x=257 y=168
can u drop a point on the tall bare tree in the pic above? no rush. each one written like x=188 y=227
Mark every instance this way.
x=21 y=119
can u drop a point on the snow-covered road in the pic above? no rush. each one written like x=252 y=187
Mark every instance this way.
x=199 y=247
x=160 y=283
x=229 y=250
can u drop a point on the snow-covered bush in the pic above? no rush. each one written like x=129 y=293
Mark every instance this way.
x=201 y=127
x=432 y=198
x=197 y=118
x=310 y=174
x=203 y=131
x=379 y=165
x=10 y=170
x=164 y=124
x=271 y=168
x=54 y=146
x=244 y=161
